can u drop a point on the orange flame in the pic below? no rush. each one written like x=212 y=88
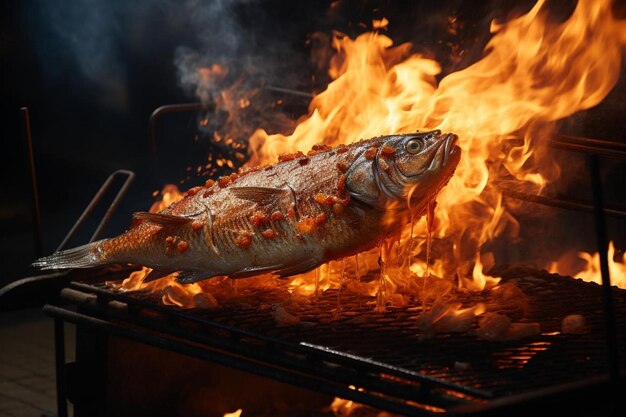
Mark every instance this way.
x=590 y=270
x=169 y=195
x=533 y=73
x=380 y=23
x=479 y=280
x=502 y=107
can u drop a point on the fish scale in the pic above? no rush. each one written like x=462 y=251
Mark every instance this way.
x=231 y=242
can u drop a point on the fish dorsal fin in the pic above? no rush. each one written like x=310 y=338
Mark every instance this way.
x=298 y=267
x=250 y=271
x=261 y=195
x=165 y=220
x=282 y=270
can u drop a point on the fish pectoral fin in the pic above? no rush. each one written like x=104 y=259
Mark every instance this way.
x=189 y=277
x=261 y=195
x=165 y=220
x=298 y=268
x=250 y=271
x=157 y=274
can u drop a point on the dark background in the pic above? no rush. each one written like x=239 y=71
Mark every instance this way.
x=91 y=73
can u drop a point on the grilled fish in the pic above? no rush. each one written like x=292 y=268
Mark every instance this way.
x=286 y=218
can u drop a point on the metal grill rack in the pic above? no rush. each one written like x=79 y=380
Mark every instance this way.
x=384 y=356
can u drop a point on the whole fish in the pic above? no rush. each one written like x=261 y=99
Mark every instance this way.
x=286 y=218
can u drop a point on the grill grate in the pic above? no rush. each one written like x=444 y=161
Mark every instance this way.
x=387 y=354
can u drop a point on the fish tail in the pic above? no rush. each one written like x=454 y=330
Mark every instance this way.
x=85 y=256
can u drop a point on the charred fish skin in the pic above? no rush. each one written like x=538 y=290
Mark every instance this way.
x=284 y=218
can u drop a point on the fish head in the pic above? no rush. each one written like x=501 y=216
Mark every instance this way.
x=407 y=168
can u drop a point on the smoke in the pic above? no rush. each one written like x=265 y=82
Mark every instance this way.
x=216 y=28
x=81 y=39
x=101 y=41
x=238 y=48
x=244 y=39
x=89 y=30
x=218 y=38
x=103 y=45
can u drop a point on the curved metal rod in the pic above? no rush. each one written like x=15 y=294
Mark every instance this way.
x=169 y=108
x=130 y=176
x=183 y=107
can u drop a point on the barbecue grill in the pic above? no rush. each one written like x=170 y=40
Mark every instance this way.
x=384 y=361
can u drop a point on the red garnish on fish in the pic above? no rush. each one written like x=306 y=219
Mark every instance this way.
x=333 y=201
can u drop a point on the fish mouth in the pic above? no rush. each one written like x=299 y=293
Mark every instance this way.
x=442 y=151
x=451 y=156
x=450 y=147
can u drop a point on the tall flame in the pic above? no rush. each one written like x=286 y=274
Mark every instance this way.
x=533 y=73
x=503 y=108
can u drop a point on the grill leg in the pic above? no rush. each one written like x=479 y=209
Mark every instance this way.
x=607 y=293
x=59 y=353
x=88 y=374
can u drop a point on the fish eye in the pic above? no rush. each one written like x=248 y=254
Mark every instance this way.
x=413 y=146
